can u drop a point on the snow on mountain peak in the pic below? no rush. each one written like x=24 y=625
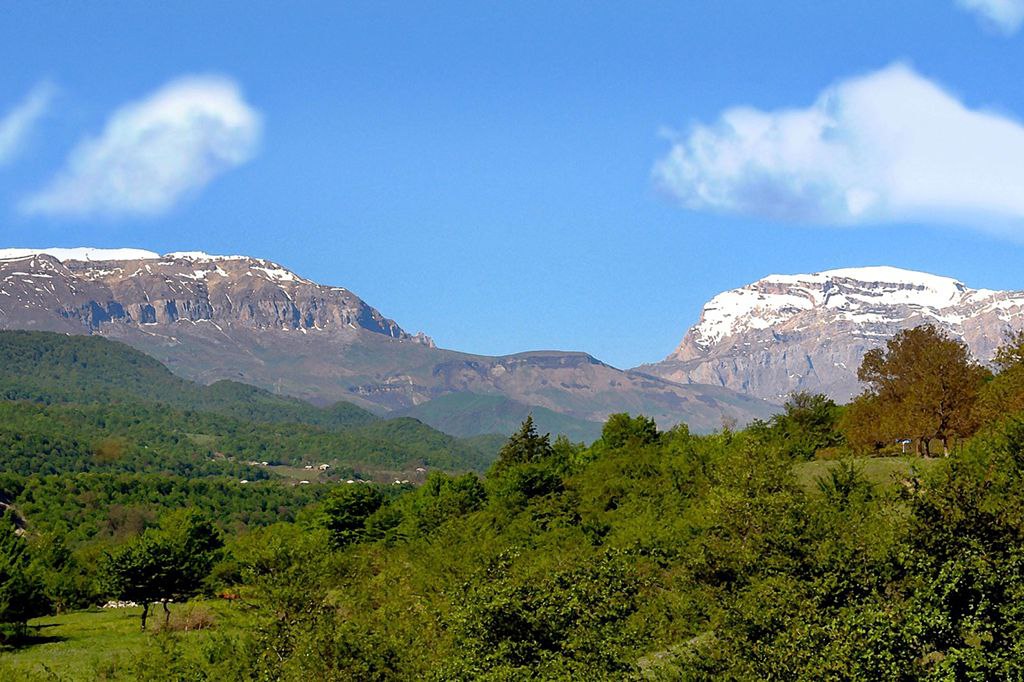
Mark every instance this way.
x=200 y=255
x=262 y=268
x=89 y=253
x=890 y=275
x=81 y=253
x=856 y=294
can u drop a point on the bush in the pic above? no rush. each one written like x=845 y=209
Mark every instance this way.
x=191 y=617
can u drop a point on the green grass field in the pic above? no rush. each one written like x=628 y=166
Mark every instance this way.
x=92 y=645
x=882 y=471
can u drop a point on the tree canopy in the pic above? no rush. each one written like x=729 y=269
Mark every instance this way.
x=922 y=386
x=22 y=593
x=163 y=564
x=523 y=447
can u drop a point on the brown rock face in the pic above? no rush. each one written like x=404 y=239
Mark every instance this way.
x=790 y=333
x=90 y=296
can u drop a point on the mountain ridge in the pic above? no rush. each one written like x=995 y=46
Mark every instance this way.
x=251 y=320
x=786 y=333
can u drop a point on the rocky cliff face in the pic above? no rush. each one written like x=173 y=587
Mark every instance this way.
x=788 y=333
x=232 y=317
x=92 y=292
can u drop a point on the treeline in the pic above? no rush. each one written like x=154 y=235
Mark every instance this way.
x=923 y=393
x=149 y=437
x=67 y=523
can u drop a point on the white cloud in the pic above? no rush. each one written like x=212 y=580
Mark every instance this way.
x=154 y=152
x=1004 y=15
x=884 y=147
x=19 y=121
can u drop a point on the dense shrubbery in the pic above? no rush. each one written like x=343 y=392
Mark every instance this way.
x=673 y=556
x=22 y=591
x=647 y=555
x=667 y=556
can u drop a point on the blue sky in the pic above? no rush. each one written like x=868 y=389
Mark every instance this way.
x=524 y=175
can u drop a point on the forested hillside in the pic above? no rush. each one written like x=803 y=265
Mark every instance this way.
x=825 y=543
x=57 y=368
x=86 y=403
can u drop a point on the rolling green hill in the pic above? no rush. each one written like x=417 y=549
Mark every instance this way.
x=72 y=403
x=55 y=368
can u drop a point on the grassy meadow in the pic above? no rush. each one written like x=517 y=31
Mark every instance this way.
x=95 y=644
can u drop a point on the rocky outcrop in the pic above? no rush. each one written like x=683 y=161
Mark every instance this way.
x=788 y=333
x=42 y=291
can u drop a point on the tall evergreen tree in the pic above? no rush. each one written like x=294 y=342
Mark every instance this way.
x=524 y=447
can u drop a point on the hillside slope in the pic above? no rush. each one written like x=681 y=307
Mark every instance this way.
x=472 y=414
x=66 y=400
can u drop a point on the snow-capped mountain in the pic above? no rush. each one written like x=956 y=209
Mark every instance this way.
x=67 y=289
x=786 y=333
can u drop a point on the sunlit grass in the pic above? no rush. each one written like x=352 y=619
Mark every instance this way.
x=882 y=471
x=90 y=645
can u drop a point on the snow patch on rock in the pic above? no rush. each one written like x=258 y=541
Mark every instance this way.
x=855 y=294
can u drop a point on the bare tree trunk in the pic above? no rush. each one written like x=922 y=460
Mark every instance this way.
x=167 y=614
x=945 y=446
x=927 y=449
x=145 y=612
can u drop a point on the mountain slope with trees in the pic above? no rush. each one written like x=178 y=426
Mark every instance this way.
x=87 y=403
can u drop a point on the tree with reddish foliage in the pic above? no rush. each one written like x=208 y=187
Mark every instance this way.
x=923 y=385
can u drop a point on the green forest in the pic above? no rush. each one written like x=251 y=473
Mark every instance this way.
x=883 y=539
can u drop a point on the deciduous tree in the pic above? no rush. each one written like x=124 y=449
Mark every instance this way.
x=21 y=590
x=926 y=384
x=346 y=511
x=164 y=564
x=621 y=430
x=1004 y=395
